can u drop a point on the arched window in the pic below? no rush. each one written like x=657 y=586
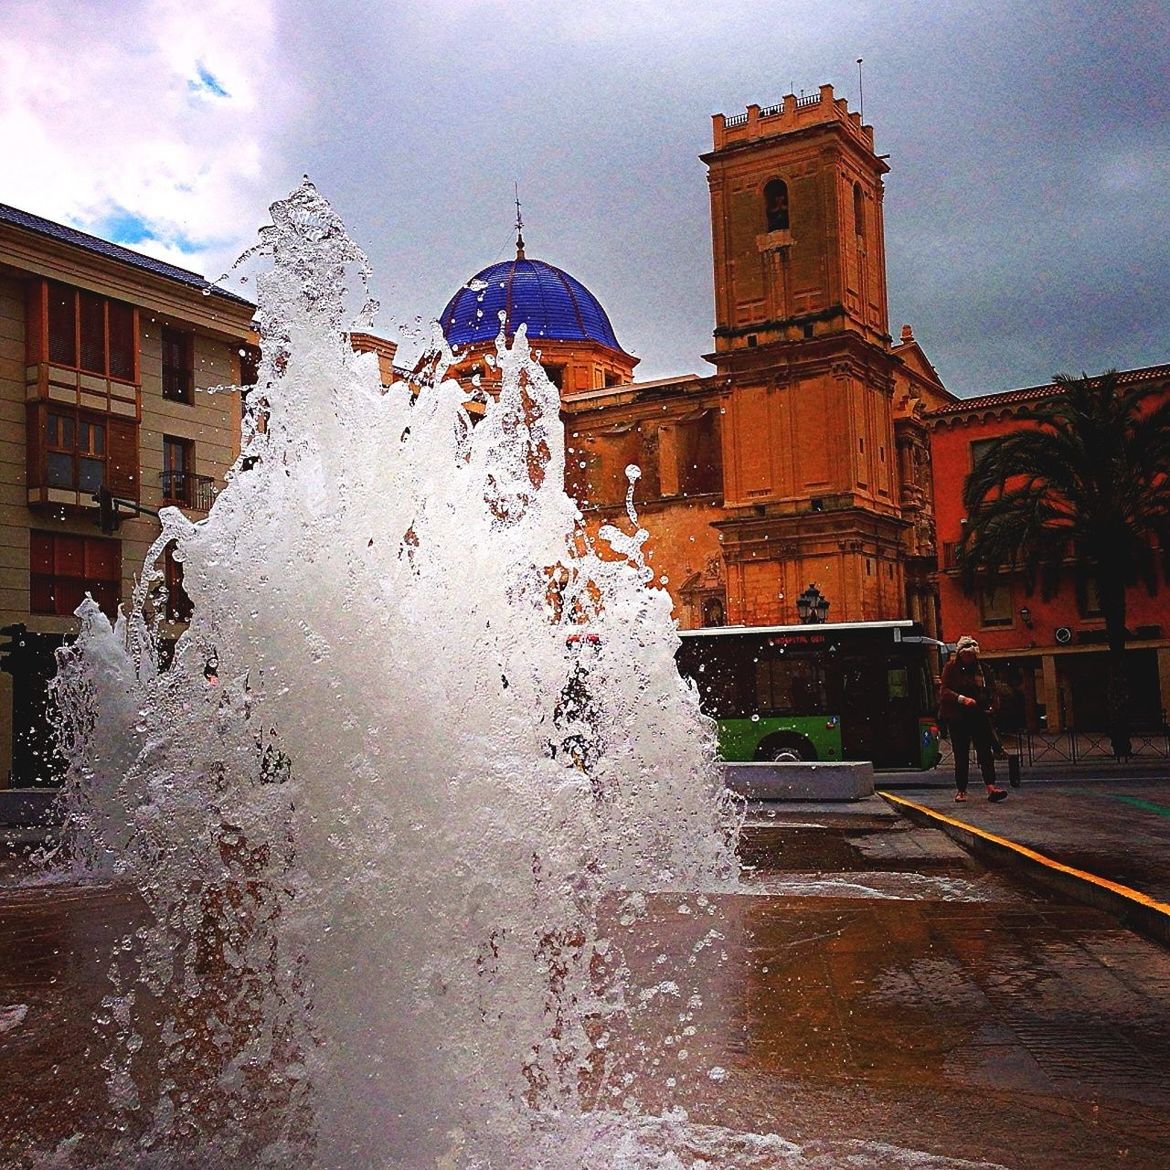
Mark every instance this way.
x=858 y=211
x=713 y=612
x=776 y=205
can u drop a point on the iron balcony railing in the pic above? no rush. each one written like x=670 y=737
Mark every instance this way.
x=197 y=492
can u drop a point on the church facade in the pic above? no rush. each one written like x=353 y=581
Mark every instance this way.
x=804 y=458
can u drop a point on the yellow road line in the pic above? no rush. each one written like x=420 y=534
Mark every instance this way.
x=1023 y=850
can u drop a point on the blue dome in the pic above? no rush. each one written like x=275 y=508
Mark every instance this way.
x=529 y=292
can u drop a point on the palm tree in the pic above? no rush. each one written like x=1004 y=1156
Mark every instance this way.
x=1083 y=496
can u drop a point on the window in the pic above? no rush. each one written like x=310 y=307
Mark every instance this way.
x=178 y=365
x=700 y=455
x=789 y=686
x=178 y=466
x=995 y=605
x=249 y=365
x=556 y=374
x=80 y=451
x=62 y=569
x=776 y=205
x=713 y=614
x=75 y=450
x=179 y=605
x=858 y=211
x=1088 y=598
x=90 y=333
x=979 y=449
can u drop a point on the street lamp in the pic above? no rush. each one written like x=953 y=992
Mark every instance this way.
x=812 y=606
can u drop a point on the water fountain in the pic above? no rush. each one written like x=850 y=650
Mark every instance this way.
x=403 y=804
x=386 y=893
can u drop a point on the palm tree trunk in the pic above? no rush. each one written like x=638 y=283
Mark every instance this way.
x=1112 y=594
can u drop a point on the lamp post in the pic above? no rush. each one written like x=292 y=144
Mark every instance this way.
x=812 y=606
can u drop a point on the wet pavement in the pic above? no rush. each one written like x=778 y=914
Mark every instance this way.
x=873 y=983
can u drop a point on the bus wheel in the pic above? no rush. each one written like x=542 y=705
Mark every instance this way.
x=788 y=750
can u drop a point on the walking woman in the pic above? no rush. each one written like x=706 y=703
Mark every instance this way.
x=965 y=702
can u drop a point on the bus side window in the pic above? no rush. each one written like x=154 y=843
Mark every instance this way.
x=719 y=689
x=898 y=682
x=789 y=686
x=924 y=696
x=767 y=699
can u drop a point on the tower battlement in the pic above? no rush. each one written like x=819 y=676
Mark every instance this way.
x=790 y=114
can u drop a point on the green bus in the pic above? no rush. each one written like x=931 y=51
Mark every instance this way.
x=832 y=691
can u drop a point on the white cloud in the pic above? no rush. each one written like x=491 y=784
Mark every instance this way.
x=160 y=113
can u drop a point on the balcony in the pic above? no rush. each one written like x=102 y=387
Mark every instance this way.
x=189 y=490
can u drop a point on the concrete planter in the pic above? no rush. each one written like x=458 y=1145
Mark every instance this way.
x=851 y=780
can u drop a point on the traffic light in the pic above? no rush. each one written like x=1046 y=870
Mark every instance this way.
x=13 y=648
x=108 y=517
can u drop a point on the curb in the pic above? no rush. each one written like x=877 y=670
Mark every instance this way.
x=1133 y=909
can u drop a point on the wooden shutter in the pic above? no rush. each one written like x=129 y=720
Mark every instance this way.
x=61 y=308
x=92 y=313
x=123 y=341
x=36 y=322
x=122 y=457
x=700 y=455
x=34 y=446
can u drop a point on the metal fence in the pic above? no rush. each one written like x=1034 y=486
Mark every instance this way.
x=1071 y=747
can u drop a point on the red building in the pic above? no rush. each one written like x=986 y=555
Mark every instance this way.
x=1048 y=655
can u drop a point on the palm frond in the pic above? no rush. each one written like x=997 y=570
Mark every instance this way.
x=1084 y=493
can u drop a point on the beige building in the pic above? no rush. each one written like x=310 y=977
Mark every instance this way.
x=106 y=357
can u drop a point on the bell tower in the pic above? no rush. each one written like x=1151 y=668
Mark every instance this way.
x=811 y=488
x=797 y=232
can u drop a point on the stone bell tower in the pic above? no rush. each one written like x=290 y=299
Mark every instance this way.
x=796 y=213
x=811 y=482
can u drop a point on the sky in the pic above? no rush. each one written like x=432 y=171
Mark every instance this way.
x=1027 y=206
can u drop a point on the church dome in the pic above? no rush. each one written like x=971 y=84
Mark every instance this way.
x=553 y=305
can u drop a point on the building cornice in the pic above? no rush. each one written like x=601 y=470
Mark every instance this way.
x=214 y=312
x=1009 y=403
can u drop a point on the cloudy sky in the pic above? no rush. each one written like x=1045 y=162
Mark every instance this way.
x=1027 y=207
